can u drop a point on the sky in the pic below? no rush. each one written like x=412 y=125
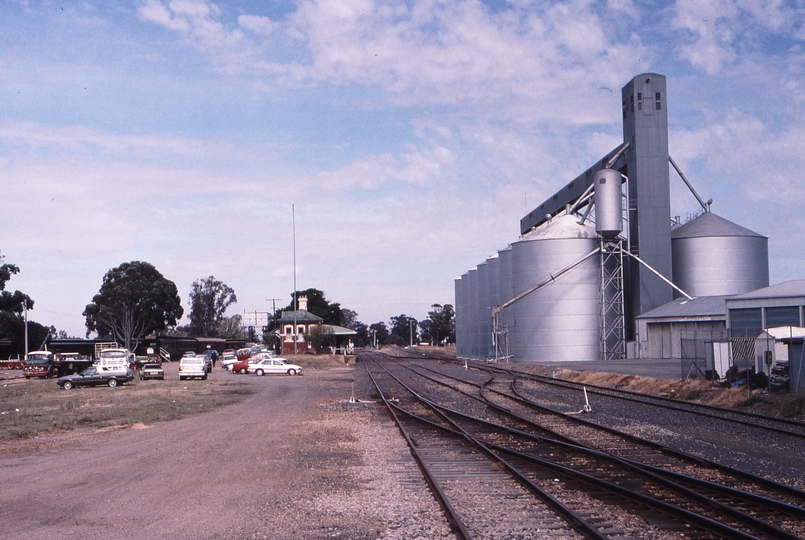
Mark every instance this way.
x=375 y=150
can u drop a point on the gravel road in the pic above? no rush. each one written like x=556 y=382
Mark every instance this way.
x=293 y=460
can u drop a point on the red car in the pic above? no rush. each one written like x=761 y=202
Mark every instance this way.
x=244 y=366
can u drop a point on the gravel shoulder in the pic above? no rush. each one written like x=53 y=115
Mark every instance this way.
x=293 y=460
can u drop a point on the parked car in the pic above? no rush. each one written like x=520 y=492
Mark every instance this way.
x=191 y=367
x=243 y=354
x=151 y=371
x=228 y=359
x=244 y=366
x=92 y=376
x=274 y=365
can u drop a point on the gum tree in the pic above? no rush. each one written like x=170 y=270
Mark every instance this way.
x=209 y=299
x=133 y=301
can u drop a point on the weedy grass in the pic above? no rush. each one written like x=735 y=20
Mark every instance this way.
x=691 y=395
x=750 y=401
x=37 y=407
x=793 y=405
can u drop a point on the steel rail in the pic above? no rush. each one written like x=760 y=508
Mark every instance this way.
x=725 y=469
x=746 y=519
x=682 y=405
x=684 y=515
x=450 y=513
x=572 y=518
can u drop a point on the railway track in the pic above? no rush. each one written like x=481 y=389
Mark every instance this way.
x=484 y=444
x=783 y=426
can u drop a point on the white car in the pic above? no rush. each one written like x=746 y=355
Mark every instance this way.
x=191 y=367
x=227 y=360
x=274 y=365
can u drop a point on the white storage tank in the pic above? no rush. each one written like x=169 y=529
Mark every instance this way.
x=608 y=203
x=712 y=257
x=561 y=321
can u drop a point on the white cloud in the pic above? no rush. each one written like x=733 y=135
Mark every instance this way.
x=257 y=24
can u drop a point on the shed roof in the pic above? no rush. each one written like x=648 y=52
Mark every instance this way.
x=702 y=306
x=786 y=289
x=781 y=332
x=339 y=330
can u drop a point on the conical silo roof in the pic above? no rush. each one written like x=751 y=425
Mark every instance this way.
x=560 y=227
x=709 y=225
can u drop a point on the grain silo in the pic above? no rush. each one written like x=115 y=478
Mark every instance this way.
x=472 y=310
x=561 y=321
x=713 y=256
x=484 y=323
x=461 y=315
x=493 y=298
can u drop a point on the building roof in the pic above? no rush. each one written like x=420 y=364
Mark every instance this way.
x=709 y=224
x=703 y=306
x=780 y=332
x=786 y=289
x=300 y=315
x=338 y=330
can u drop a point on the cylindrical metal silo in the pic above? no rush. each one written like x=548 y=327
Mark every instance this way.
x=712 y=256
x=484 y=338
x=492 y=299
x=461 y=314
x=608 y=203
x=505 y=320
x=472 y=313
x=561 y=321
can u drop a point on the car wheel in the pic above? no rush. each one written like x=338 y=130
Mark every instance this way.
x=112 y=383
x=67 y=385
x=260 y=372
x=244 y=371
x=291 y=372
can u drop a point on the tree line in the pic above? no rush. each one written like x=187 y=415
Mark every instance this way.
x=135 y=300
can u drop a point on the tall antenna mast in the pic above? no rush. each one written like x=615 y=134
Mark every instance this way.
x=295 y=302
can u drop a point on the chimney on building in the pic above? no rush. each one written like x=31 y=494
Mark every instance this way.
x=302 y=302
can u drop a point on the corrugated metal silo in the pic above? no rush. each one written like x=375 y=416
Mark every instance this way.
x=493 y=293
x=483 y=302
x=561 y=321
x=505 y=319
x=712 y=256
x=472 y=313
x=461 y=313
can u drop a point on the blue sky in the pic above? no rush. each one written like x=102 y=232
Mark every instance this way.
x=410 y=137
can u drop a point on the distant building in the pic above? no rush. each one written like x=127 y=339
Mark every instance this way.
x=295 y=325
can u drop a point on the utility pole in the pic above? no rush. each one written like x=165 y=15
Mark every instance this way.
x=295 y=303
x=273 y=314
x=411 y=331
x=25 y=309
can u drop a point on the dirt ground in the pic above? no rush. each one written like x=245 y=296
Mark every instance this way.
x=256 y=469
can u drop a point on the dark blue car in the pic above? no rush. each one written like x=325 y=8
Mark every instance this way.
x=92 y=376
